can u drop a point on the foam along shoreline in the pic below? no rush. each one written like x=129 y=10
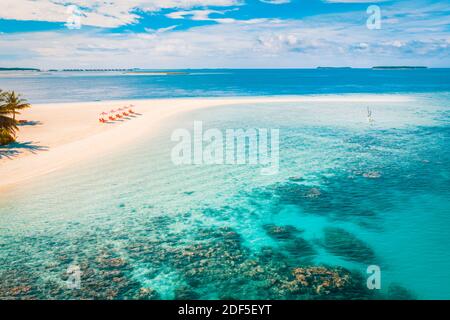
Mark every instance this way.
x=63 y=134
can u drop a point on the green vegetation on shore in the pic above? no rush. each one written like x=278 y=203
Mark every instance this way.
x=10 y=103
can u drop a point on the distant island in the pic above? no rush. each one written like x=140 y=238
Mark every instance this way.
x=70 y=70
x=97 y=70
x=19 y=69
x=132 y=71
x=398 y=67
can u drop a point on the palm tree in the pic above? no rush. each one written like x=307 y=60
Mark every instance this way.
x=8 y=125
x=13 y=102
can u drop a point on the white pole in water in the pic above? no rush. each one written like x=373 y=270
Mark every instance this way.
x=369 y=116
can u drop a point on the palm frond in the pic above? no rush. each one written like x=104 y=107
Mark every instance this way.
x=8 y=124
x=11 y=103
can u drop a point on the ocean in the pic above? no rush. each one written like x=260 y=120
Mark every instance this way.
x=348 y=195
x=78 y=86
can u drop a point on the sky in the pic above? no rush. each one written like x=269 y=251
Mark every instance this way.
x=178 y=34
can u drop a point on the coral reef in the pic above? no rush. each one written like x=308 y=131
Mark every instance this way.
x=397 y=292
x=342 y=243
x=214 y=263
x=281 y=232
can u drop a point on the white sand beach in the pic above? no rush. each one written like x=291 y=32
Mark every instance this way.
x=63 y=134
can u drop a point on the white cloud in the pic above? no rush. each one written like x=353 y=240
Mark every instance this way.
x=107 y=14
x=205 y=15
x=200 y=15
x=161 y=30
x=408 y=36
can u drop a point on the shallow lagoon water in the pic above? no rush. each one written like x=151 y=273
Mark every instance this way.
x=348 y=194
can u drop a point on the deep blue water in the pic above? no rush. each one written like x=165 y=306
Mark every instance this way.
x=67 y=87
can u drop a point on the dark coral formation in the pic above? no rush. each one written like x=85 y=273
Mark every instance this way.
x=214 y=263
x=100 y=280
x=321 y=280
x=281 y=232
x=344 y=244
x=397 y=292
x=338 y=198
x=300 y=248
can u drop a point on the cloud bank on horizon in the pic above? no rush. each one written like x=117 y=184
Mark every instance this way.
x=223 y=33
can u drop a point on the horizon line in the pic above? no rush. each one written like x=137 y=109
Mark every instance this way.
x=215 y=68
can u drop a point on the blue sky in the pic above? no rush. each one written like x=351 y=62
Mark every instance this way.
x=223 y=33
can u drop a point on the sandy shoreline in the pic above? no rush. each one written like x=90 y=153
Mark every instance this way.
x=66 y=133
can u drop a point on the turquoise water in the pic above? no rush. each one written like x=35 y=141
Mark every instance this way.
x=348 y=195
x=78 y=86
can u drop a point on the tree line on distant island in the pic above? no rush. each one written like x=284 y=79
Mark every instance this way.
x=10 y=104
